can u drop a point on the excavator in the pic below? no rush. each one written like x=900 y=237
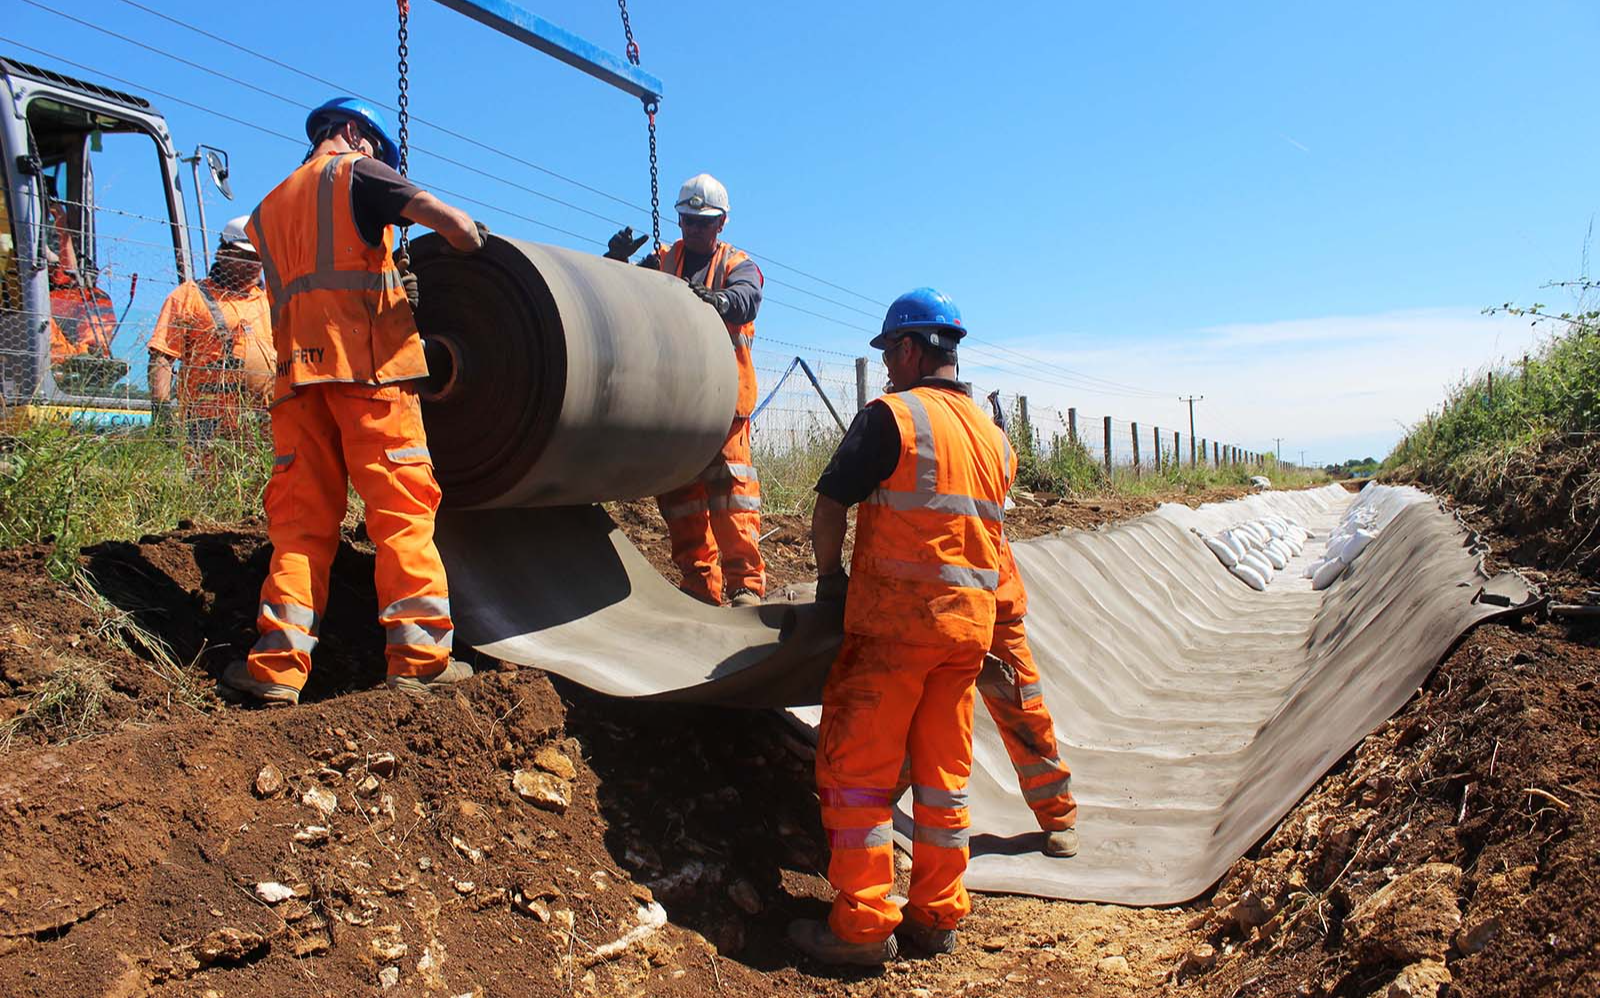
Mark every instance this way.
x=91 y=209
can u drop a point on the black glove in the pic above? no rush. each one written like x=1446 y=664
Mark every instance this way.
x=719 y=300
x=483 y=234
x=624 y=244
x=832 y=588
x=408 y=280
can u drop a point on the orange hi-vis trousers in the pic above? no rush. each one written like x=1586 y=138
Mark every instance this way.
x=714 y=523
x=373 y=434
x=1016 y=702
x=883 y=700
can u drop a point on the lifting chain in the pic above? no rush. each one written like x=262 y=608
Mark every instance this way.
x=404 y=106
x=650 y=109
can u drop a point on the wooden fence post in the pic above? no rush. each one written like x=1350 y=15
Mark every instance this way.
x=1072 y=426
x=1108 y=445
x=1134 y=436
x=861 y=383
x=1022 y=416
x=1155 y=448
x=1216 y=454
x=1177 y=449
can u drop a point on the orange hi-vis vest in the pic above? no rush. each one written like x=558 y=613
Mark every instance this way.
x=929 y=539
x=723 y=260
x=339 y=312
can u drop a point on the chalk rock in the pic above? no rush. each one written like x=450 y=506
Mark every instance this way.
x=541 y=790
x=551 y=760
x=312 y=835
x=1117 y=965
x=388 y=977
x=228 y=945
x=1420 y=980
x=268 y=781
x=272 y=892
x=1410 y=919
x=322 y=799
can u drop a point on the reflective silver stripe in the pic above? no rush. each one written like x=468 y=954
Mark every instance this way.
x=269 y=268
x=1055 y=788
x=407 y=453
x=939 y=502
x=743 y=339
x=223 y=329
x=1030 y=691
x=302 y=617
x=746 y=503
x=721 y=470
x=856 y=796
x=944 y=838
x=344 y=280
x=871 y=837
x=420 y=634
x=938 y=797
x=417 y=606
x=286 y=640
x=1033 y=769
x=955 y=575
x=684 y=509
x=283 y=460
x=325 y=216
x=927 y=460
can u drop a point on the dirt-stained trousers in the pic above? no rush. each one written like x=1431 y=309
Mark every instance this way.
x=373 y=435
x=714 y=523
x=1016 y=702
x=884 y=700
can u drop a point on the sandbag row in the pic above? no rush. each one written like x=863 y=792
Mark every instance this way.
x=1358 y=529
x=1257 y=550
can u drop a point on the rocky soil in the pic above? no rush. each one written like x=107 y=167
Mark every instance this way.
x=527 y=836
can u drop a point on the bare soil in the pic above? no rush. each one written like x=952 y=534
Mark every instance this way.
x=136 y=821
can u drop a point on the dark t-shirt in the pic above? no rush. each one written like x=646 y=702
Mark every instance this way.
x=377 y=196
x=870 y=450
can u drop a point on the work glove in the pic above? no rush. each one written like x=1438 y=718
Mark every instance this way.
x=624 y=244
x=832 y=588
x=719 y=300
x=408 y=280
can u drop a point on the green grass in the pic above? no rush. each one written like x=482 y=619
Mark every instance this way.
x=59 y=482
x=1479 y=429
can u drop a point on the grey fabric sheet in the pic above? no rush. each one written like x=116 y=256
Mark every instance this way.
x=1193 y=710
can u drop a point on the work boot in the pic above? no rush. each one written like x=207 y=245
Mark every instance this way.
x=236 y=684
x=744 y=597
x=1063 y=843
x=442 y=681
x=816 y=940
x=926 y=938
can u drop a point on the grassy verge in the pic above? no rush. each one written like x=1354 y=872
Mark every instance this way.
x=59 y=483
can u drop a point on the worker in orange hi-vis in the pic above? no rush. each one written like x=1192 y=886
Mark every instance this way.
x=930 y=472
x=714 y=522
x=218 y=331
x=345 y=405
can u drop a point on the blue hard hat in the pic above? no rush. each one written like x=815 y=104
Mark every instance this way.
x=355 y=109
x=927 y=312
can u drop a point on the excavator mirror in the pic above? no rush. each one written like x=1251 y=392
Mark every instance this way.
x=217 y=162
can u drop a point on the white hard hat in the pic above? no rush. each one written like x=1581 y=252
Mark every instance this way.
x=702 y=194
x=233 y=234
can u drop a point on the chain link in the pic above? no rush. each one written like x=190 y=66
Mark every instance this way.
x=404 y=105
x=650 y=109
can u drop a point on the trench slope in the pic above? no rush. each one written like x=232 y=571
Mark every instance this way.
x=1193 y=710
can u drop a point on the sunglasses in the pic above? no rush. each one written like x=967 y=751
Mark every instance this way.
x=698 y=221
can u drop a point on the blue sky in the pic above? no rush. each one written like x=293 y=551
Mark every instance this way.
x=1297 y=211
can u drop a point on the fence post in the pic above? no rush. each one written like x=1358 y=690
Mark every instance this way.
x=1072 y=426
x=1108 y=445
x=1134 y=436
x=1216 y=454
x=1177 y=449
x=861 y=383
x=1155 y=448
x=1022 y=417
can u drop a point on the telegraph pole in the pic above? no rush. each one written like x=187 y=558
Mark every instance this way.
x=1192 y=399
x=1277 y=450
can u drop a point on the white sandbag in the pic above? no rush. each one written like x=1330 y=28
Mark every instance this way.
x=1250 y=577
x=1235 y=544
x=1274 y=556
x=1223 y=552
x=1255 y=560
x=1356 y=544
x=1335 y=549
x=1330 y=570
x=1310 y=570
x=1256 y=534
x=1274 y=528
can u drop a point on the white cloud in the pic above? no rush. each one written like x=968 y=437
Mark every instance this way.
x=1336 y=387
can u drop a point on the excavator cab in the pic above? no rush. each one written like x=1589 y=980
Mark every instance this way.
x=92 y=239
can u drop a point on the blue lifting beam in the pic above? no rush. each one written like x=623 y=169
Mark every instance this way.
x=530 y=29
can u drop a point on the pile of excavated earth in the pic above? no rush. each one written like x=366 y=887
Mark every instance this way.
x=528 y=837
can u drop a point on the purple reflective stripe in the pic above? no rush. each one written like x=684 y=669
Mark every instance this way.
x=856 y=797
